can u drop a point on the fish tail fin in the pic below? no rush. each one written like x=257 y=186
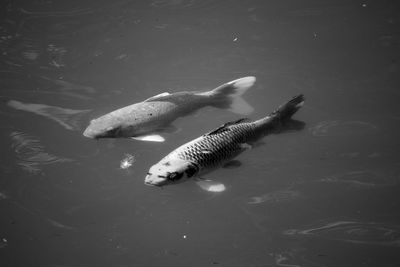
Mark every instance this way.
x=282 y=115
x=287 y=110
x=228 y=95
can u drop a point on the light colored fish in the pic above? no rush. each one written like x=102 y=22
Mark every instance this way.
x=214 y=149
x=143 y=121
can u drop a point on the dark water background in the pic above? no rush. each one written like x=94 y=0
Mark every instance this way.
x=324 y=196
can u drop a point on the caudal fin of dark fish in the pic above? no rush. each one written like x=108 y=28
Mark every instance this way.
x=68 y=118
x=286 y=111
x=229 y=95
x=281 y=118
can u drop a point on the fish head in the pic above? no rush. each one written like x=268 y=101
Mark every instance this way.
x=170 y=171
x=103 y=127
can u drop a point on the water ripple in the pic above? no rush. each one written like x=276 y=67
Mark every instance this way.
x=184 y=4
x=363 y=178
x=19 y=44
x=276 y=196
x=56 y=55
x=75 y=12
x=342 y=128
x=31 y=153
x=368 y=233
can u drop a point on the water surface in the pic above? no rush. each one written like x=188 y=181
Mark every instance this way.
x=324 y=196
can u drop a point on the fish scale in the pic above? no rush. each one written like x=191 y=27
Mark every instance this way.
x=210 y=150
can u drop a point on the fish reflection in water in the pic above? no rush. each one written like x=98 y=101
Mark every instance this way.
x=68 y=118
x=71 y=89
x=369 y=233
x=276 y=196
x=31 y=153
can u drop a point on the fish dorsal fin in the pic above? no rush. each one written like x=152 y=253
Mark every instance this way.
x=225 y=126
x=157 y=97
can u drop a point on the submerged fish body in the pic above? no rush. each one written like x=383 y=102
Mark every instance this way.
x=158 y=112
x=68 y=118
x=210 y=151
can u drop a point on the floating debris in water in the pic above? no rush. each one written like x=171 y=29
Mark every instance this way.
x=127 y=161
x=31 y=153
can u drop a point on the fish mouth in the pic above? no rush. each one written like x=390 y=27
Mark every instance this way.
x=89 y=134
x=154 y=182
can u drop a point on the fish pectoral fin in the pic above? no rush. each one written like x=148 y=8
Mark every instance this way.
x=257 y=144
x=240 y=106
x=210 y=186
x=150 y=138
x=246 y=146
x=232 y=164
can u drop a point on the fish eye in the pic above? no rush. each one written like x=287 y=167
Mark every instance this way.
x=112 y=131
x=173 y=176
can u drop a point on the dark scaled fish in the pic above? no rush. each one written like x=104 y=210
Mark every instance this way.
x=214 y=149
x=144 y=120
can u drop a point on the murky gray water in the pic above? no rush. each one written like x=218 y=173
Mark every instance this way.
x=328 y=195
